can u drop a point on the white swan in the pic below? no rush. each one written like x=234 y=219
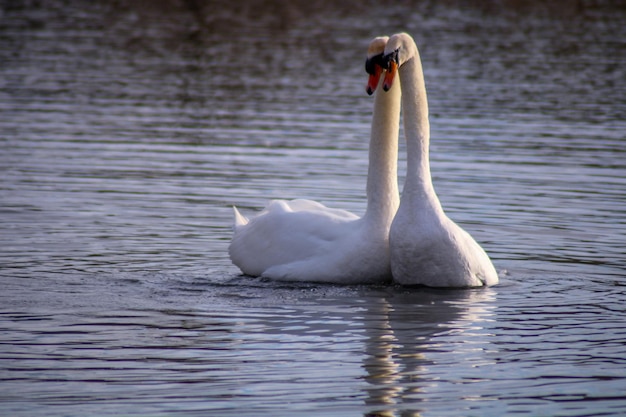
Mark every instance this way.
x=303 y=240
x=427 y=248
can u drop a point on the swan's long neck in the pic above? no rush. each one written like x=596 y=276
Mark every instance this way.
x=382 y=178
x=418 y=186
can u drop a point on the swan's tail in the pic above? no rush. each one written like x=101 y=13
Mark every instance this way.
x=240 y=219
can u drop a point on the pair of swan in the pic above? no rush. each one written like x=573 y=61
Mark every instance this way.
x=411 y=241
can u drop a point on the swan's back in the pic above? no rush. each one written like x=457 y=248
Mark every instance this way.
x=288 y=231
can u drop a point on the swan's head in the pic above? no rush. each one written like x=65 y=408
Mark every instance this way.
x=374 y=62
x=400 y=48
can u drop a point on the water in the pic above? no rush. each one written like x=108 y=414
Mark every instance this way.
x=128 y=132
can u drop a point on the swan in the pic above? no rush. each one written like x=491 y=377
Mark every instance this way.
x=427 y=247
x=303 y=240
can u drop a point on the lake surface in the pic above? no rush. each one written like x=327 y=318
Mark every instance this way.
x=128 y=130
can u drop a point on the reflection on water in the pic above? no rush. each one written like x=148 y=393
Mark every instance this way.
x=403 y=338
x=129 y=129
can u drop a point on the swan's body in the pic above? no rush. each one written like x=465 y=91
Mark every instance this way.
x=303 y=240
x=427 y=248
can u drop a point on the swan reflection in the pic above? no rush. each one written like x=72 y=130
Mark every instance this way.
x=402 y=329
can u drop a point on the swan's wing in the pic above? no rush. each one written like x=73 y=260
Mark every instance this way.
x=288 y=231
x=471 y=260
x=480 y=266
x=313 y=206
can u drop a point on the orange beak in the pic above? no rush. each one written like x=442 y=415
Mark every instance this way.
x=372 y=81
x=390 y=76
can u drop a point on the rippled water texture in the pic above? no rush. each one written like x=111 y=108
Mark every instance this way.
x=129 y=129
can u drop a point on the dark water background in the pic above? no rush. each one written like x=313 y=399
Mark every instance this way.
x=128 y=130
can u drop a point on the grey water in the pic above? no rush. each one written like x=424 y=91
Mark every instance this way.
x=129 y=129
